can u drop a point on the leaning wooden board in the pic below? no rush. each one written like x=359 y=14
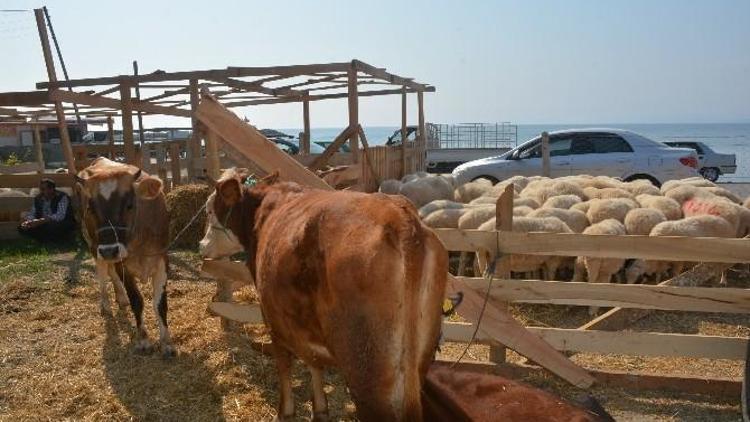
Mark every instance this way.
x=252 y=144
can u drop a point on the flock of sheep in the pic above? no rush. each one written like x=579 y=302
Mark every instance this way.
x=582 y=204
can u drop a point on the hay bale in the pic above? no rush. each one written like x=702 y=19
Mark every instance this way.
x=182 y=204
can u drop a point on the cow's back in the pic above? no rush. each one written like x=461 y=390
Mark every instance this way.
x=356 y=280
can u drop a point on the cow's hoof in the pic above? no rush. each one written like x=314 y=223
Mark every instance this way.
x=144 y=347
x=168 y=351
x=320 y=417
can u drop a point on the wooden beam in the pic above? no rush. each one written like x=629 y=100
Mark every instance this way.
x=382 y=74
x=353 y=102
x=15 y=205
x=498 y=325
x=112 y=103
x=368 y=156
x=167 y=94
x=545 y=155
x=59 y=113
x=107 y=91
x=664 y=248
x=127 y=125
x=503 y=222
x=320 y=97
x=252 y=144
x=257 y=87
x=32 y=180
x=139 y=113
x=642 y=296
x=212 y=155
x=194 y=144
x=322 y=159
x=422 y=136
x=174 y=161
x=38 y=151
x=403 y=131
x=111 y=137
x=24 y=99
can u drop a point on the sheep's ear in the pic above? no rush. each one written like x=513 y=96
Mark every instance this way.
x=229 y=191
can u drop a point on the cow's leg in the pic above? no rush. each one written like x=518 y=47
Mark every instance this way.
x=320 y=403
x=102 y=276
x=142 y=343
x=286 y=397
x=120 y=294
x=159 y=280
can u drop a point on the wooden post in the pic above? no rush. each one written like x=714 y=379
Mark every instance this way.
x=38 y=147
x=212 y=154
x=127 y=124
x=193 y=146
x=353 y=97
x=503 y=222
x=305 y=140
x=59 y=111
x=422 y=139
x=111 y=136
x=138 y=97
x=403 y=131
x=174 y=157
x=545 y=155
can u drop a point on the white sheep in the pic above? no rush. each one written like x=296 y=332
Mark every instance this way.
x=423 y=190
x=668 y=206
x=475 y=217
x=438 y=204
x=726 y=193
x=607 y=193
x=522 y=211
x=690 y=181
x=640 y=221
x=483 y=200
x=709 y=204
x=604 y=209
x=527 y=202
x=601 y=270
x=575 y=219
x=447 y=218
x=581 y=206
x=390 y=186
x=472 y=190
x=414 y=176
x=562 y=201
x=641 y=187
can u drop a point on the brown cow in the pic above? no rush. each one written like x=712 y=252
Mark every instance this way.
x=125 y=224
x=345 y=279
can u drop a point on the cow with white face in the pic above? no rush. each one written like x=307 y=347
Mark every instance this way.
x=125 y=223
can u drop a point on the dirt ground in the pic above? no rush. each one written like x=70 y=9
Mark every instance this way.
x=60 y=359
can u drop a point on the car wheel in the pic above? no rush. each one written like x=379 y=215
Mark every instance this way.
x=710 y=173
x=651 y=179
x=490 y=178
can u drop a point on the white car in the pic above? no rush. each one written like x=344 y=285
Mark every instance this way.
x=608 y=152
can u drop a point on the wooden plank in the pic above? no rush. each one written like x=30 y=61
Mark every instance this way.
x=247 y=314
x=368 y=157
x=174 y=161
x=10 y=204
x=320 y=97
x=666 y=248
x=353 y=103
x=141 y=138
x=38 y=151
x=112 y=103
x=305 y=141
x=694 y=299
x=403 y=132
x=621 y=343
x=503 y=221
x=24 y=99
x=545 y=155
x=322 y=159
x=127 y=124
x=212 y=155
x=32 y=180
x=161 y=170
x=111 y=137
x=422 y=127
x=59 y=112
x=252 y=144
x=500 y=326
x=382 y=74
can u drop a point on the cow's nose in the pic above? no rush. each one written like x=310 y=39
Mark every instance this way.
x=109 y=251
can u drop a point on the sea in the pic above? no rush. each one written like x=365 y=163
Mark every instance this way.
x=731 y=138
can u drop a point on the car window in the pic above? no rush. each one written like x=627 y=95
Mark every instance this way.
x=533 y=150
x=605 y=143
x=560 y=145
x=582 y=145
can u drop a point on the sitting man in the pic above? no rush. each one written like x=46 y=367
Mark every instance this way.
x=51 y=216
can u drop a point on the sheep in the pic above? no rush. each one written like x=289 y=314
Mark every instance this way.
x=426 y=189
x=475 y=216
x=737 y=216
x=519 y=181
x=641 y=187
x=646 y=267
x=581 y=206
x=575 y=219
x=696 y=182
x=446 y=218
x=542 y=190
x=601 y=270
x=599 y=182
x=472 y=190
x=483 y=200
x=414 y=176
x=607 y=193
x=522 y=211
x=604 y=209
x=668 y=206
x=561 y=201
x=726 y=193
x=640 y=221
x=528 y=202
x=532 y=263
x=746 y=203
x=438 y=204
x=390 y=186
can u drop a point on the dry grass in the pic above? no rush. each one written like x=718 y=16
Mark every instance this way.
x=60 y=359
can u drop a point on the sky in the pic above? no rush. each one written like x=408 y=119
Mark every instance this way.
x=528 y=62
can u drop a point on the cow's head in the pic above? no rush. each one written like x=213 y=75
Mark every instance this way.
x=224 y=212
x=110 y=193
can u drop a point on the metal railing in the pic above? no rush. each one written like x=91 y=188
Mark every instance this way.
x=472 y=135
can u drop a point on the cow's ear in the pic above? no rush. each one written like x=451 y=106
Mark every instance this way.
x=230 y=191
x=149 y=187
x=271 y=178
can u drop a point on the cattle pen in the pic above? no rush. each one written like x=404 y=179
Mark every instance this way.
x=220 y=139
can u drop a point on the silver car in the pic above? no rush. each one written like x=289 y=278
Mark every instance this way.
x=608 y=152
